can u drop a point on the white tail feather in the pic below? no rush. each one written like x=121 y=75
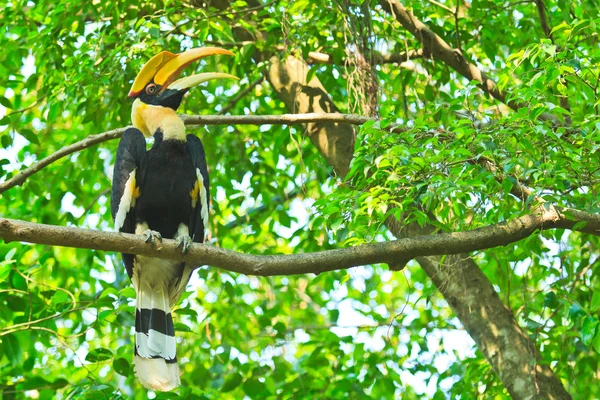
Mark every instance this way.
x=151 y=278
x=156 y=374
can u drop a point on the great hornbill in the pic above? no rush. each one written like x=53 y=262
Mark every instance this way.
x=162 y=192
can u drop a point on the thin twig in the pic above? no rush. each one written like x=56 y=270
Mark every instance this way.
x=287 y=119
x=440 y=5
x=55 y=288
x=456 y=27
x=22 y=110
x=541 y=7
x=27 y=325
x=219 y=14
x=65 y=151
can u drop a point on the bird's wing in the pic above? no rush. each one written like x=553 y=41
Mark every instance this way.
x=127 y=177
x=200 y=194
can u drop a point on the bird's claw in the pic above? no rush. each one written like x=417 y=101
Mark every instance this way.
x=185 y=242
x=152 y=236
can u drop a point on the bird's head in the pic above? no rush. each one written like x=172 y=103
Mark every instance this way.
x=158 y=92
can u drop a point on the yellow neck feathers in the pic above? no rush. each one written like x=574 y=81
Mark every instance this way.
x=148 y=119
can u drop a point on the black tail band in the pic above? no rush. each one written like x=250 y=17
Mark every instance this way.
x=167 y=360
x=155 y=319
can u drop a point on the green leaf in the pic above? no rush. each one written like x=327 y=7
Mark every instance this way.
x=588 y=330
x=551 y=300
x=6 y=141
x=60 y=297
x=595 y=303
x=367 y=125
x=181 y=327
x=10 y=254
x=345 y=279
x=311 y=73
x=5 y=268
x=122 y=366
x=54 y=111
x=252 y=387
x=98 y=355
x=531 y=324
x=128 y=292
x=5 y=102
x=576 y=311
x=231 y=382
x=29 y=135
x=596 y=342
x=12 y=348
x=29 y=364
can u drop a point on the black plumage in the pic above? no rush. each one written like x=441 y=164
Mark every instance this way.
x=165 y=176
x=164 y=190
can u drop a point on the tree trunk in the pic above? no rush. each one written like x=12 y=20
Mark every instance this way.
x=492 y=325
x=334 y=141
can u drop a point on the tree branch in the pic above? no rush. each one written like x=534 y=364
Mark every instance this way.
x=315 y=57
x=65 y=151
x=541 y=7
x=395 y=253
x=563 y=99
x=287 y=119
x=437 y=47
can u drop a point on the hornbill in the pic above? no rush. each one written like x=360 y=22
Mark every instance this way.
x=162 y=192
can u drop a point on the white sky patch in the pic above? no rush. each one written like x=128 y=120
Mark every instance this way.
x=28 y=68
x=11 y=154
x=18 y=141
x=66 y=205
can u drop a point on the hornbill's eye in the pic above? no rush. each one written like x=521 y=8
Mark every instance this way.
x=151 y=89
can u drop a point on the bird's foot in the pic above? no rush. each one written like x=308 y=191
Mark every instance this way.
x=152 y=236
x=185 y=242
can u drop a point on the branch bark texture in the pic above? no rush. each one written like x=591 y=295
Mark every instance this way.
x=394 y=253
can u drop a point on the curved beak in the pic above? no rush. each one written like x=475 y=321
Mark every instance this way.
x=165 y=67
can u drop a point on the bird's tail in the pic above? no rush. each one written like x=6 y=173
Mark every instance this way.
x=155 y=362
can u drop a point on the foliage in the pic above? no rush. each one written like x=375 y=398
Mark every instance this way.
x=66 y=315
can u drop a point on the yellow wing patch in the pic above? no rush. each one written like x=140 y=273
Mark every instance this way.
x=195 y=193
x=134 y=189
x=199 y=193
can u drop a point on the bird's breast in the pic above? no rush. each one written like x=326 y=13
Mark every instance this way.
x=164 y=200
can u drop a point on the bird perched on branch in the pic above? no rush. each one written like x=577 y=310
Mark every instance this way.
x=162 y=192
